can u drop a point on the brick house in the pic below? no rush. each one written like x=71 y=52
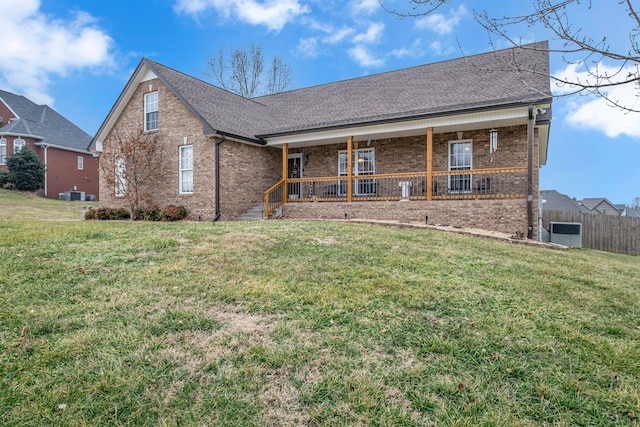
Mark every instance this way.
x=459 y=142
x=61 y=146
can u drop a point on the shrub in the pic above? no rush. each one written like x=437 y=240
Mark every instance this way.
x=4 y=177
x=26 y=171
x=173 y=213
x=103 y=214
x=9 y=186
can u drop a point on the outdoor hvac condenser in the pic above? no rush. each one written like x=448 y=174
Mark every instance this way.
x=566 y=234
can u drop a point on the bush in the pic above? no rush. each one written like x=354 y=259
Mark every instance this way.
x=26 y=171
x=9 y=186
x=4 y=177
x=151 y=213
x=103 y=214
x=173 y=213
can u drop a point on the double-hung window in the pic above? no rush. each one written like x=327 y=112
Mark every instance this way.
x=460 y=156
x=186 y=169
x=151 y=111
x=80 y=163
x=363 y=163
x=18 y=145
x=3 y=151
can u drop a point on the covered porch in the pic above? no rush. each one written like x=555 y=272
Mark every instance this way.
x=480 y=156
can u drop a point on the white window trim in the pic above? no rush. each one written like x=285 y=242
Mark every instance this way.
x=3 y=151
x=146 y=112
x=80 y=163
x=181 y=170
x=460 y=141
x=18 y=142
x=354 y=167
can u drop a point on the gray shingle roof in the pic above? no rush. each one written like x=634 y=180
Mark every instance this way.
x=43 y=122
x=475 y=82
x=555 y=201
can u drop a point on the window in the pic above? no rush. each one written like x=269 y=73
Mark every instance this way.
x=3 y=151
x=151 y=111
x=120 y=178
x=364 y=163
x=186 y=169
x=18 y=145
x=80 y=163
x=460 y=155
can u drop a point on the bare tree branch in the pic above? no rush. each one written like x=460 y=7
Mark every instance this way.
x=131 y=162
x=243 y=72
x=603 y=68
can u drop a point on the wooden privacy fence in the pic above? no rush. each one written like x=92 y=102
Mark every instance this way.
x=620 y=234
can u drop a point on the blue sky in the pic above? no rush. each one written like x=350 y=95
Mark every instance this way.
x=77 y=55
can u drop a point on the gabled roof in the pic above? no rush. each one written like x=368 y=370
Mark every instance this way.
x=593 y=202
x=456 y=85
x=42 y=123
x=475 y=83
x=555 y=201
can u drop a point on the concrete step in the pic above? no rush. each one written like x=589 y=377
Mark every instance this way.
x=253 y=214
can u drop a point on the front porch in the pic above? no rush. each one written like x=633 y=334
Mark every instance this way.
x=498 y=183
x=478 y=175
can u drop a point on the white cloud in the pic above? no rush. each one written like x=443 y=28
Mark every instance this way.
x=597 y=113
x=440 y=23
x=364 y=7
x=364 y=58
x=34 y=46
x=373 y=34
x=273 y=14
x=414 y=51
x=308 y=47
x=438 y=49
x=338 y=36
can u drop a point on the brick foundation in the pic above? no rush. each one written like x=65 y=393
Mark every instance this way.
x=504 y=215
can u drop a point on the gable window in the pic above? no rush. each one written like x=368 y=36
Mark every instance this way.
x=363 y=163
x=186 y=169
x=3 y=151
x=151 y=111
x=460 y=158
x=80 y=163
x=18 y=145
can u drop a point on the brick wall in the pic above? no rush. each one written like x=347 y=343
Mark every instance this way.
x=506 y=215
x=246 y=171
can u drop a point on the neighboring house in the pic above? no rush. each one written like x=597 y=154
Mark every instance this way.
x=458 y=142
x=61 y=146
x=600 y=205
x=633 y=212
x=555 y=201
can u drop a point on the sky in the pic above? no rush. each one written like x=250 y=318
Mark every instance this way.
x=77 y=55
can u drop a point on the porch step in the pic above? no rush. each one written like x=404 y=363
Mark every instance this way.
x=253 y=214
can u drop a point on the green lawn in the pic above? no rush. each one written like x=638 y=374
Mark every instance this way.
x=288 y=323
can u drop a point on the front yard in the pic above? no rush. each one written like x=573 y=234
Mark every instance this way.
x=310 y=323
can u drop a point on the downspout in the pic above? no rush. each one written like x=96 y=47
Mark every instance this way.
x=532 y=118
x=46 y=172
x=218 y=213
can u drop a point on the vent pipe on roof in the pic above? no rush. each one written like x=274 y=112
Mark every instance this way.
x=218 y=213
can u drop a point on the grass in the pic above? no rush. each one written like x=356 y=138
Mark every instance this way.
x=309 y=323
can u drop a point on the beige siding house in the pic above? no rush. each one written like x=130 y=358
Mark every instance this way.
x=458 y=142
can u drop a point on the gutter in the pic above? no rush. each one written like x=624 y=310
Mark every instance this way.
x=218 y=213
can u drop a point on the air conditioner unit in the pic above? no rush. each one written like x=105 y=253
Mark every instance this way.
x=566 y=234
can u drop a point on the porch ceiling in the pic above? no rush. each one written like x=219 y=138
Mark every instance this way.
x=397 y=129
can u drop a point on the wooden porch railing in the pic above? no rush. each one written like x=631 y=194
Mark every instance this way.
x=274 y=198
x=446 y=185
